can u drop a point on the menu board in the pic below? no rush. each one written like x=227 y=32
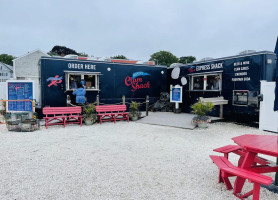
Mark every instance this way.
x=176 y=94
x=20 y=90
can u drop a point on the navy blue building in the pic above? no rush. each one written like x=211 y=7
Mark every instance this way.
x=236 y=78
x=110 y=81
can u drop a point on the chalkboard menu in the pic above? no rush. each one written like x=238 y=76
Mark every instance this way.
x=20 y=90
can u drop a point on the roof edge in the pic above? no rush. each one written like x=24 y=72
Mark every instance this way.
x=46 y=55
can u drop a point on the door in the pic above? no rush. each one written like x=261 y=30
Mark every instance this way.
x=268 y=118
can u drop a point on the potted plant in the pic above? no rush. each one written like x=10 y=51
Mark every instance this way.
x=201 y=109
x=90 y=114
x=134 y=111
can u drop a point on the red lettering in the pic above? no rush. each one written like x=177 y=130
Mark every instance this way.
x=135 y=83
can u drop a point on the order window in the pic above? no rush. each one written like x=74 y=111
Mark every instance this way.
x=208 y=82
x=89 y=81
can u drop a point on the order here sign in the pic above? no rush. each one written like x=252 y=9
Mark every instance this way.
x=176 y=94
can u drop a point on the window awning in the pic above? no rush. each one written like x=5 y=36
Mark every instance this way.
x=83 y=72
x=204 y=73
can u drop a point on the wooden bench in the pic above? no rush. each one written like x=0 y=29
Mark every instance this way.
x=227 y=169
x=112 y=113
x=62 y=115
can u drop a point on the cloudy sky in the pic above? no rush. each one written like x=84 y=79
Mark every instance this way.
x=138 y=28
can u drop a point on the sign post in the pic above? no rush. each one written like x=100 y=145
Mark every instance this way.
x=176 y=95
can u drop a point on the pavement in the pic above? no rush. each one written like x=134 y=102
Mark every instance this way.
x=178 y=120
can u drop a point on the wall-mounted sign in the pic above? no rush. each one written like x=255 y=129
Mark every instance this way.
x=176 y=94
x=137 y=81
x=20 y=90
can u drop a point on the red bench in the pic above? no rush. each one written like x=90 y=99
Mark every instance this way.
x=240 y=151
x=62 y=115
x=227 y=169
x=112 y=113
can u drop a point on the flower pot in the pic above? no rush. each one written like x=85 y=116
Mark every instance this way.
x=134 y=118
x=88 y=121
x=203 y=124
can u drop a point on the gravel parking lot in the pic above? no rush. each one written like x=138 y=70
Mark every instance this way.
x=116 y=161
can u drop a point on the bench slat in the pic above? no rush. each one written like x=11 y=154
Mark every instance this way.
x=225 y=165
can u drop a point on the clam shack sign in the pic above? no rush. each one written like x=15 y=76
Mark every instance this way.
x=137 y=82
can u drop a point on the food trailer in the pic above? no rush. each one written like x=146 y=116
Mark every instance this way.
x=109 y=80
x=235 y=78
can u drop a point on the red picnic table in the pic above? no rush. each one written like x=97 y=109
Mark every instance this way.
x=254 y=145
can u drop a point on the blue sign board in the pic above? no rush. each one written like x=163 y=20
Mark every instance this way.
x=176 y=94
x=20 y=90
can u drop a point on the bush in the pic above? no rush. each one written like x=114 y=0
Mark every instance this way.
x=134 y=109
x=201 y=109
x=90 y=110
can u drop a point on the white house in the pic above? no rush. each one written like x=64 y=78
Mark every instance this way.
x=27 y=67
x=6 y=72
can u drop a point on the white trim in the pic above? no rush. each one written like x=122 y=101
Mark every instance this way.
x=31 y=53
x=205 y=81
x=81 y=73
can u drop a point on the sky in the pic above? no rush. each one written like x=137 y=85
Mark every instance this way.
x=139 y=28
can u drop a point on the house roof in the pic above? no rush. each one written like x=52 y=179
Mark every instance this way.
x=31 y=53
x=7 y=66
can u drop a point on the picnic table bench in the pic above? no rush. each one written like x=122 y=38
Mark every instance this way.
x=62 y=115
x=227 y=169
x=112 y=113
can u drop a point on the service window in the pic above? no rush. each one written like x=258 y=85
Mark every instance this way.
x=198 y=82
x=90 y=81
x=240 y=97
x=208 y=82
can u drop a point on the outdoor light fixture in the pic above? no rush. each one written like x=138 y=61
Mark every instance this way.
x=109 y=69
x=162 y=72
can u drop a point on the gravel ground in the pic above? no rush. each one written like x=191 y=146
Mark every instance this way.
x=116 y=161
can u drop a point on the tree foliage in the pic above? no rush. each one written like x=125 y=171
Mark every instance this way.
x=7 y=59
x=164 y=58
x=62 y=51
x=187 y=59
x=119 y=57
x=83 y=54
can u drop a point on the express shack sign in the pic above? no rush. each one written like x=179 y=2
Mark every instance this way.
x=137 y=81
x=206 y=67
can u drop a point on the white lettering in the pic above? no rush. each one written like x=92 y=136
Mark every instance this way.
x=241 y=74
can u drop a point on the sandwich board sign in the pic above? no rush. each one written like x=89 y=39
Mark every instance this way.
x=20 y=90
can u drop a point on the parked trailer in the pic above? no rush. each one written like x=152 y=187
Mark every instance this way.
x=238 y=81
x=107 y=79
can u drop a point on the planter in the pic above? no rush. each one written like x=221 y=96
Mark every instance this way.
x=134 y=118
x=88 y=121
x=203 y=124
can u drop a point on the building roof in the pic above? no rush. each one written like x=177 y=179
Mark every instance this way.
x=7 y=66
x=224 y=58
x=31 y=53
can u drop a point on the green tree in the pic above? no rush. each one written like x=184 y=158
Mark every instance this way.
x=187 y=59
x=7 y=59
x=62 y=51
x=119 y=57
x=164 y=58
